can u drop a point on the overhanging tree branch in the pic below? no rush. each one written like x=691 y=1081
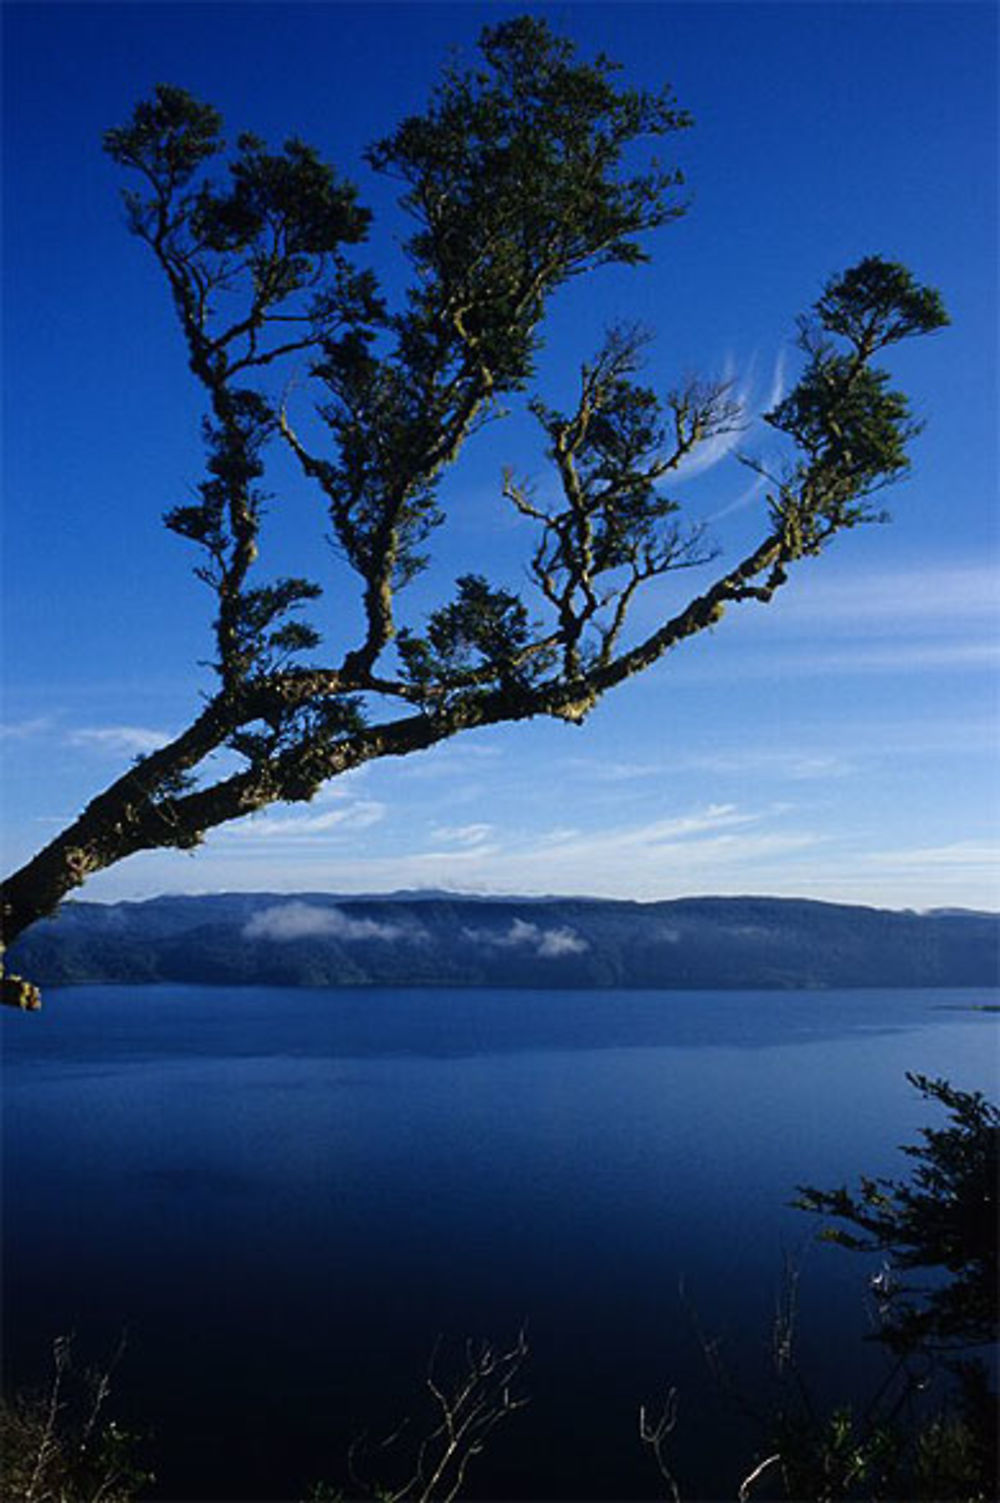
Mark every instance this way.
x=515 y=180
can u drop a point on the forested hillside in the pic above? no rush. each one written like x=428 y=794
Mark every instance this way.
x=446 y=940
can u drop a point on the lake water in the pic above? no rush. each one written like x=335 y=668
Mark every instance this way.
x=286 y=1197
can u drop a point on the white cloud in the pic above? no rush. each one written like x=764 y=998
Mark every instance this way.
x=450 y=761
x=956 y=591
x=360 y=815
x=136 y=739
x=778 y=383
x=905 y=655
x=893 y=656
x=548 y=944
x=604 y=771
x=712 y=818
x=792 y=766
x=748 y=495
x=290 y=921
x=463 y=835
x=24 y=730
x=558 y=835
x=942 y=736
x=711 y=849
x=787 y=764
x=960 y=853
x=642 y=863
x=715 y=450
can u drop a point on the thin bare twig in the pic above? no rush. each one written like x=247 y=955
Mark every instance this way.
x=654 y=1435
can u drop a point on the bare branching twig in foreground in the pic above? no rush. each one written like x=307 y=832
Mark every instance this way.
x=466 y=1408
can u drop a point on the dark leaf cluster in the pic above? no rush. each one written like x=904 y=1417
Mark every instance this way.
x=482 y=636
x=877 y=303
x=513 y=176
x=168 y=138
x=851 y=429
x=286 y=208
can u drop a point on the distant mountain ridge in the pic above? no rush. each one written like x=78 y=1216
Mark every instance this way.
x=441 y=939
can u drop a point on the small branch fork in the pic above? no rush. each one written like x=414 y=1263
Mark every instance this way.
x=654 y=1433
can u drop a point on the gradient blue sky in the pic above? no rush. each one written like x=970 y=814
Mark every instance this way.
x=839 y=744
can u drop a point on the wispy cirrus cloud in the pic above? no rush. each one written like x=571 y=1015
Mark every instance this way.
x=956 y=591
x=981 y=854
x=802 y=765
x=714 y=450
x=135 y=739
x=359 y=814
x=743 y=499
x=694 y=851
x=742 y=389
x=708 y=848
x=26 y=730
x=712 y=819
x=793 y=766
x=451 y=761
x=600 y=864
x=463 y=835
x=852 y=655
x=882 y=657
x=605 y=770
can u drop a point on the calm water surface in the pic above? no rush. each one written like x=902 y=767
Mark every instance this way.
x=286 y=1197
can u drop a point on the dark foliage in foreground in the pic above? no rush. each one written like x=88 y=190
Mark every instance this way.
x=930 y=1432
x=61 y=1445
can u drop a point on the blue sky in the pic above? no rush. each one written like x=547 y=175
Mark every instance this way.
x=839 y=744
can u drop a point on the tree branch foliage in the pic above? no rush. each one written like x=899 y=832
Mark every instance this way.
x=518 y=177
x=943 y=1220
